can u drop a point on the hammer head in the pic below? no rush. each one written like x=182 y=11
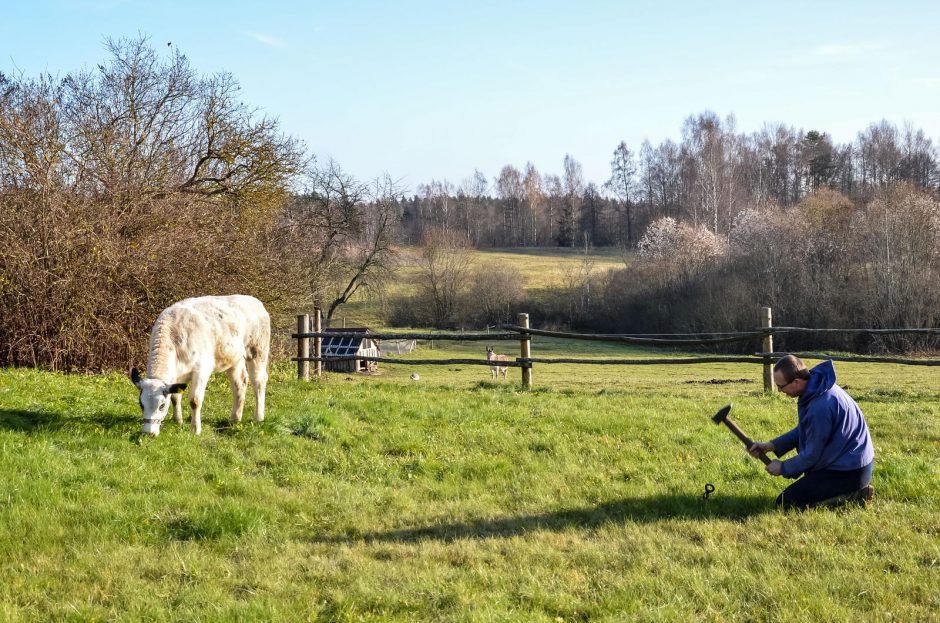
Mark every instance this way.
x=719 y=417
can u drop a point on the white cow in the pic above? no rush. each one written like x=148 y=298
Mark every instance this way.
x=192 y=339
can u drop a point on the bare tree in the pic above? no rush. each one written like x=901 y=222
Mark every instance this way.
x=879 y=155
x=326 y=215
x=554 y=199
x=573 y=189
x=471 y=206
x=593 y=217
x=495 y=289
x=345 y=229
x=439 y=204
x=535 y=199
x=901 y=237
x=369 y=256
x=918 y=163
x=623 y=184
x=510 y=190
x=444 y=261
x=578 y=282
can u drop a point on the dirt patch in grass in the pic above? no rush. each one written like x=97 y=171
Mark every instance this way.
x=719 y=381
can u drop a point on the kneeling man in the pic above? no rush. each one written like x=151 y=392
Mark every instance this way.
x=834 y=450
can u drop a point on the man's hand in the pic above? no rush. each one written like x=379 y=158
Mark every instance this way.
x=774 y=467
x=757 y=446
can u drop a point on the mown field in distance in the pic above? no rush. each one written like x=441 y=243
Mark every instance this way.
x=456 y=499
x=541 y=270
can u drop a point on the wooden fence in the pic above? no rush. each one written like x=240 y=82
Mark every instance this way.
x=523 y=333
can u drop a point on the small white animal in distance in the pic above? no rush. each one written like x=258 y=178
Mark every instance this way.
x=415 y=376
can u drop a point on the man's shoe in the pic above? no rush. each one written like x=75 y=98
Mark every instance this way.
x=863 y=496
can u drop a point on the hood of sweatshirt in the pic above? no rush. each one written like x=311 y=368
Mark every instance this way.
x=821 y=379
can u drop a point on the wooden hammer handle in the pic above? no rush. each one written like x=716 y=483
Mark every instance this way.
x=747 y=441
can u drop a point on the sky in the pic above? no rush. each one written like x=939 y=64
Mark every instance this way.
x=434 y=90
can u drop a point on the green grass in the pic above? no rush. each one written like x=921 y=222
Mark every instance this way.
x=457 y=499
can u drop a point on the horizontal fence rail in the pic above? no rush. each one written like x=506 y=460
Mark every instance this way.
x=519 y=362
x=455 y=337
x=647 y=362
x=856 y=358
x=651 y=339
x=641 y=339
x=925 y=331
x=524 y=333
x=508 y=363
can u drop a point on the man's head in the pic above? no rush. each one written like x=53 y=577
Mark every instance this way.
x=791 y=375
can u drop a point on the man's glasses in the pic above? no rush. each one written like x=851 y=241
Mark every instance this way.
x=780 y=387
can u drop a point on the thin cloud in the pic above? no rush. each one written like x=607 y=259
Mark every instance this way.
x=926 y=81
x=845 y=51
x=831 y=53
x=267 y=40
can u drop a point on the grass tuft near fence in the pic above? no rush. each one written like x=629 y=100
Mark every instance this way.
x=456 y=498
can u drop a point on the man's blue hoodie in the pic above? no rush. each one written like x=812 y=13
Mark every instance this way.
x=831 y=432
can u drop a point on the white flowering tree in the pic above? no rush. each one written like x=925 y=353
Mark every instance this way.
x=683 y=250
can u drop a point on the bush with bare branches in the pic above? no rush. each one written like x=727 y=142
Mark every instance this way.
x=124 y=189
x=822 y=263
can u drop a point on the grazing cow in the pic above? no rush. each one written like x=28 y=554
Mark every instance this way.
x=495 y=371
x=192 y=339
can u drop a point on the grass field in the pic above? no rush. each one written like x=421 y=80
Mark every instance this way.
x=456 y=499
x=542 y=271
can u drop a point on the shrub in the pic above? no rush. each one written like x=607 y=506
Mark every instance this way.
x=495 y=291
x=124 y=190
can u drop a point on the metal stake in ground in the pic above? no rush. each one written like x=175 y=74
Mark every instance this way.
x=709 y=489
x=722 y=416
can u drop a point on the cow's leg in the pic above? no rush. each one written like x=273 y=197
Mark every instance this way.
x=177 y=401
x=238 y=377
x=196 y=397
x=258 y=372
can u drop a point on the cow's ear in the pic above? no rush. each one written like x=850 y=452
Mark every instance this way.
x=135 y=377
x=176 y=388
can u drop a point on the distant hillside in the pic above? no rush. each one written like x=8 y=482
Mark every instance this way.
x=541 y=270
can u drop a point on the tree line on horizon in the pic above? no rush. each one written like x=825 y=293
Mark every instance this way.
x=141 y=182
x=707 y=179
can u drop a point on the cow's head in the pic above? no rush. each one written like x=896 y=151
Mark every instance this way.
x=154 y=400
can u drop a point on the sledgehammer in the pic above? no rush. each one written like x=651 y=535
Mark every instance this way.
x=722 y=416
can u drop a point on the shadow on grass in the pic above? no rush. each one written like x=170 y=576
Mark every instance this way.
x=28 y=421
x=24 y=421
x=639 y=510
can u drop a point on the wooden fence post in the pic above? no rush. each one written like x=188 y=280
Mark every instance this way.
x=525 y=351
x=303 y=347
x=766 y=323
x=317 y=341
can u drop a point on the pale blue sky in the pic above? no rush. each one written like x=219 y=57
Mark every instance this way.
x=433 y=89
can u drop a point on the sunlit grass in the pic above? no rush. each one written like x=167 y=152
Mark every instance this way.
x=455 y=498
x=542 y=270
